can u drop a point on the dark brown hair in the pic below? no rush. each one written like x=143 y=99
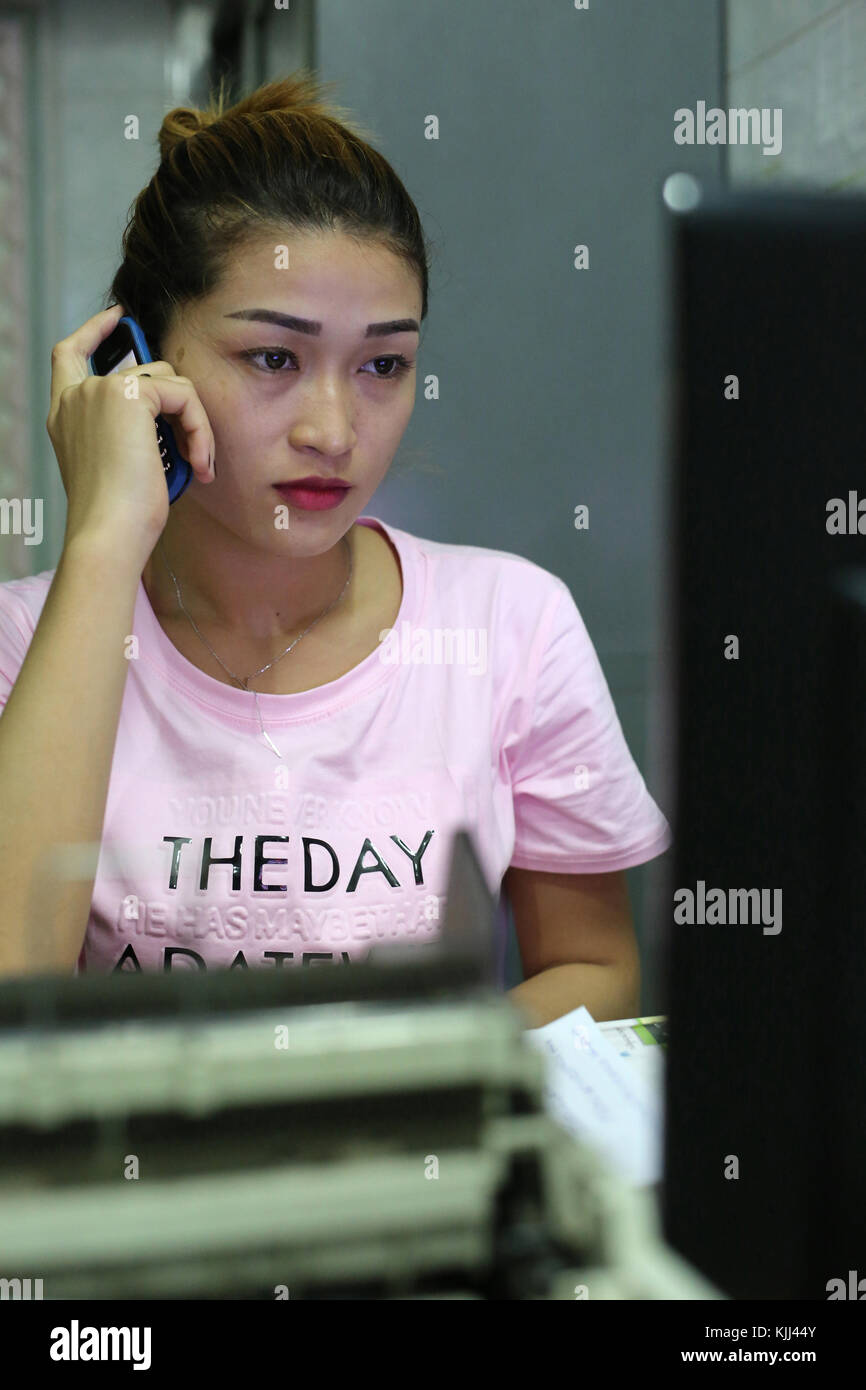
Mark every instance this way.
x=277 y=160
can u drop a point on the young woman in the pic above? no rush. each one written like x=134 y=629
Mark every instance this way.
x=265 y=709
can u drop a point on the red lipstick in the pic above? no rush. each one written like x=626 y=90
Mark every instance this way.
x=314 y=493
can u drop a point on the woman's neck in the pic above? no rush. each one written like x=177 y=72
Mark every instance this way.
x=228 y=585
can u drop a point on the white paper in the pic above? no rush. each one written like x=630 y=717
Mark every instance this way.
x=602 y=1098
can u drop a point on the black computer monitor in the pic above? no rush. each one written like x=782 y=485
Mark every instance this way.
x=765 y=1154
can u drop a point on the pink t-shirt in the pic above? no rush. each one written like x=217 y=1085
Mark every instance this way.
x=485 y=709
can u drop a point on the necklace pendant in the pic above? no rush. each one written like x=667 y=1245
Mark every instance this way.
x=270 y=744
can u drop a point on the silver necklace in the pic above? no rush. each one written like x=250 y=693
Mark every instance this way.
x=243 y=680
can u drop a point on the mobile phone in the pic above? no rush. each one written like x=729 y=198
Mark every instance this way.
x=127 y=347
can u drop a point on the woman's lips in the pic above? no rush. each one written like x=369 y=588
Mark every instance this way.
x=312 y=499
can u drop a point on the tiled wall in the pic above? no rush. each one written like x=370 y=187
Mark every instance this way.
x=807 y=57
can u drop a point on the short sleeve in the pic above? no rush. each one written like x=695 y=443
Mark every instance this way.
x=16 y=632
x=580 y=802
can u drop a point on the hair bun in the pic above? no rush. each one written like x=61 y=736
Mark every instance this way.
x=301 y=95
x=178 y=125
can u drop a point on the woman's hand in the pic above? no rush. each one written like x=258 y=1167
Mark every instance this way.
x=103 y=432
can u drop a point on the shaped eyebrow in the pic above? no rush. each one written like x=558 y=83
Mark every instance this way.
x=314 y=328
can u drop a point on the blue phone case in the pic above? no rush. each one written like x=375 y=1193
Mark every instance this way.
x=177 y=471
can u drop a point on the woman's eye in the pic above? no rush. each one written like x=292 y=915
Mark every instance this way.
x=396 y=362
x=268 y=353
x=399 y=363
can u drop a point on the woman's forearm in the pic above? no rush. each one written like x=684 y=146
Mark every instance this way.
x=607 y=991
x=57 y=736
